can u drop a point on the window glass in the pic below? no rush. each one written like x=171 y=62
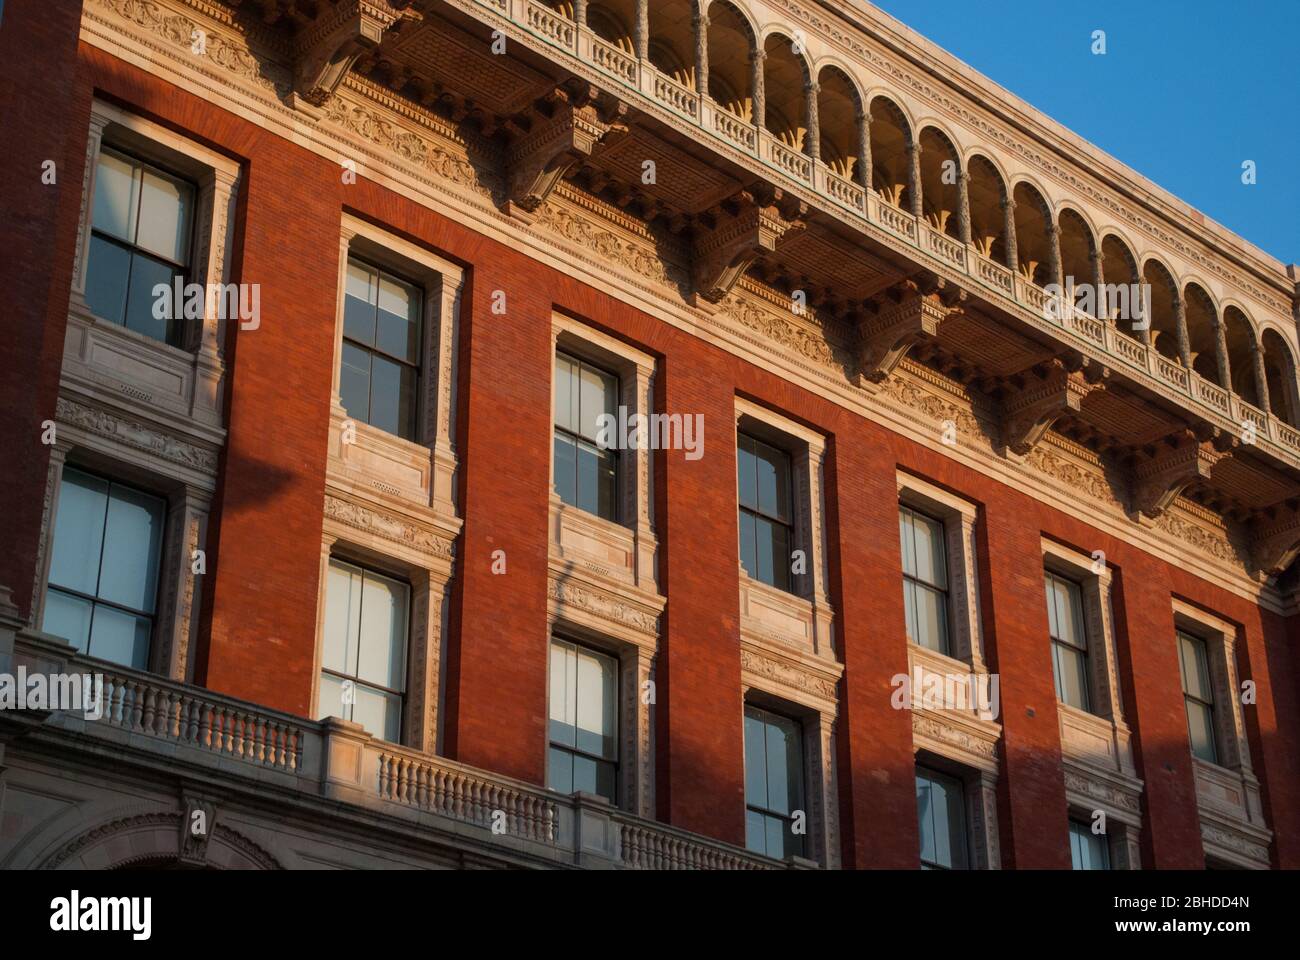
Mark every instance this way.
x=583 y=729
x=941 y=814
x=925 y=579
x=764 y=492
x=1088 y=851
x=1069 y=640
x=104 y=568
x=1198 y=696
x=379 y=380
x=586 y=476
x=774 y=783
x=363 y=662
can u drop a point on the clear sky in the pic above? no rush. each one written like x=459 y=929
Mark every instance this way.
x=1187 y=91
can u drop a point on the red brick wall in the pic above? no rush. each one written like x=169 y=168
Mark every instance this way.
x=263 y=588
x=45 y=117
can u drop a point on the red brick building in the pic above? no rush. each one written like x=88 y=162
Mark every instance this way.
x=463 y=231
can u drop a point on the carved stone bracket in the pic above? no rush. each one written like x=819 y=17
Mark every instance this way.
x=1039 y=397
x=1276 y=537
x=328 y=47
x=1177 y=460
x=730 y=237
x=909 y=314
x=569 y=125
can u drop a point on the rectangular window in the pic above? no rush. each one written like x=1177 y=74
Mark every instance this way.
x=766 y=511
x=1069 y=641
x=774 y=788
x=379 y=382
x=1088 y=850
x=1198 y=696
x=586 y=476
x=925 y=579
x=103 y=583
x=363 y=664
x=583 y=753
x=941 y=813
x=140 y=236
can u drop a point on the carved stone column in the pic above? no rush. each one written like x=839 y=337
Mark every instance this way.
x=50 y=510
x=440 y=408
x=220 y=195
x=963 y=210
x=429 y=604
x=914 y=176
x=864 y=150
x=93 y=143
x=812 y=109
x=1180 y=324
x=1097 y=264
x=638 y=672
x=580 y=12
x=1221 y=354
x=758 y=77
x=1054 y=271
x=1009 y=229
x=825 y=812
x=641 y=30
x=1261 y=377
x=181 y=585
x=643 y=484
x=983 y=814
x=327 y=542
x=700 y=24
x=336 y=398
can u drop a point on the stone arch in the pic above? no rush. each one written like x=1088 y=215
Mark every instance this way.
x=940 y=181
x=611 y=20
x=839 y=112
x=1034 y=226
x=891 y=141
x=1078 y=245
x=671 y=44
x=1163 y=332
x=731 y=46
x=986 y=189
x=1239 y=332
x=1280 y=373
x=1202 y=319
x=1122 y=278
x=786 y=77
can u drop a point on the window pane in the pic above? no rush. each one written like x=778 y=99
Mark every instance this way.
x=746 y=472
x=382 y=659
x=1071 y=675
x=907 y=540
x=755 y=832
x=607 y=486
x=772 y=467
x=354 y=382
x=120 y=637
x=784 y=766
x=559 y=770
x=132 y=541
x=1200 y=728
x=781 y=558
x=564 y=684
x=1053 y=627
x=566 y=394
x=79 y=532
x=749 y=544
x=597 y=679
x=588 y=478
x=67 y=617
x=117 y=193
x=925 y=817
x=330 y=702
x=566 y=469
x=380 y=713
x=1196 y=669
x=909 y=610
x=386 y=390
x=107 y=272
x=164 y=217
x=755 y=760
x=399 y=319
x=359 y=304
x=1088 y=851
x=928 y=541
x=147 y=273
x=777 y=830
x=342 y=618
x=765 y=548
x=598 y=394
x=941 y=811
x=931 y=618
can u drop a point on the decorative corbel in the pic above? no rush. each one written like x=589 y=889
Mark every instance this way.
x=1039 y=397
x=567 y=126
x=909 y=314
x=1275 y=537
x=326 y=49
x=1176 y=461
x=730 y=237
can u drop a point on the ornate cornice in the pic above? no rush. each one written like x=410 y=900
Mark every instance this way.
x=386 y=526
x=139 y=436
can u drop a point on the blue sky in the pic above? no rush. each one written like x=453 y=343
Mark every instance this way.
x=1187 y=91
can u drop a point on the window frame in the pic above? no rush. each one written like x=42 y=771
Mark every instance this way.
x=404 y=695
x=156 y=617
x=1077 y=607
x=800 y=739
x=934 y=774
x=615 y=460
x=562 y=638
x=904 y=511
x=1201 y=644
x=790 y=526
x=1079 y=824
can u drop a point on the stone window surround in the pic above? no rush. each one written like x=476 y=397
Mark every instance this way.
x=821 y=792
x=635 y=781
x=979 y=789
x=429 y=579
x=633 y=533
x=199 y=364
x=385 y=460
x=1227 y=792
x=189 y=502
x=810 y=601
x=959 y=518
